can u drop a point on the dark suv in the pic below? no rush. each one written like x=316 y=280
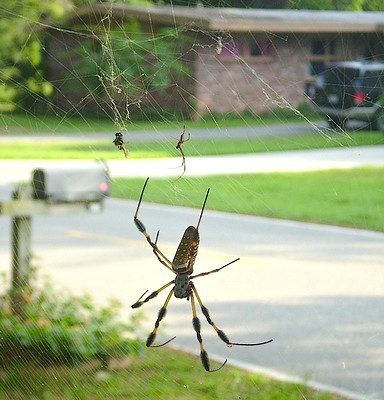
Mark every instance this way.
x=351 y=90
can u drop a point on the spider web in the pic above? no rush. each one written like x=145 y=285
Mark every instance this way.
x=287 y=282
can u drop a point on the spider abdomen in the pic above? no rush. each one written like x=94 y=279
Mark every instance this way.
x=182 y=286
x=186 y=251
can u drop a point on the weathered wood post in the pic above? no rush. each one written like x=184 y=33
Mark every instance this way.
x=21 y=254
x=21 y=259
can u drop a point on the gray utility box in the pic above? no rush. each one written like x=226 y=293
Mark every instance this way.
x=85 y=182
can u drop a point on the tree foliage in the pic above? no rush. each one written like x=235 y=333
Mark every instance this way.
x=129 y=59
x=21 y=49
x=119 y=67
x=22 y=30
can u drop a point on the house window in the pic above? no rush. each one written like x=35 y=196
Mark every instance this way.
x=245 y=47
x=323 y=47
x=322 y=51
x=258 y=48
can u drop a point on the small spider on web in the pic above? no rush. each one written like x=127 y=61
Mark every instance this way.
x=119 y=143
x=179 y=145
x=182 y=286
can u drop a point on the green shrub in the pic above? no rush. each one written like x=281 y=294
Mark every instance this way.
x=59 y=327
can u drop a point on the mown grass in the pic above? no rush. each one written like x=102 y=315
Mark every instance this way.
x=42 y=149
x=25 y=123
x=161 y=374
x=351 y=198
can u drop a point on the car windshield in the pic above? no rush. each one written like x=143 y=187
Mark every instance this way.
x=373 y=79
x=341 y=77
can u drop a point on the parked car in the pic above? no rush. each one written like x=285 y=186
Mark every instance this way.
x=351 y=90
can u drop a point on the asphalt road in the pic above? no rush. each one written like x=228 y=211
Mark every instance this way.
x=316 y=290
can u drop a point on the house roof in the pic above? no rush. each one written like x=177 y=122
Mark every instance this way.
x=237 y=20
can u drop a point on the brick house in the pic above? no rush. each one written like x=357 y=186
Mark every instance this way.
x=238 y=59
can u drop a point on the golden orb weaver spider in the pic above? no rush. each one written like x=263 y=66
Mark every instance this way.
x=183 y=287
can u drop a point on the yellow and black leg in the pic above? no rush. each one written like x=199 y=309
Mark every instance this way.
x=219 y=332
x=214 y=270
x=197 y=327
x=140 y=302
x=161 y=315
x=141 y=227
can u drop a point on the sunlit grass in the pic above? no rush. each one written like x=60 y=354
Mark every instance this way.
x=104 y=149
x=28 y=123
x=352 y=198
x=161 y=373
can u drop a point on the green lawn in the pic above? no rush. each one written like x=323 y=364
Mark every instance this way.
x=155 y=149
x=352 y=198
x=161 y=374
x=16 y=124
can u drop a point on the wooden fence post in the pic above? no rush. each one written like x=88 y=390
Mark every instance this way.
x=21 y=259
